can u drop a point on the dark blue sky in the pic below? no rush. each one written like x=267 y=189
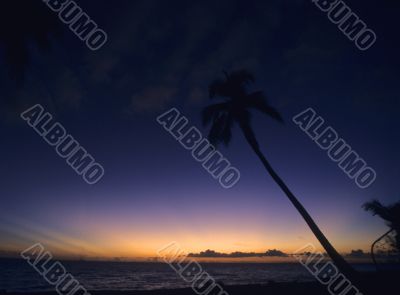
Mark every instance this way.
x=163 y=54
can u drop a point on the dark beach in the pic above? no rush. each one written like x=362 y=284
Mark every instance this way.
x=384 y=283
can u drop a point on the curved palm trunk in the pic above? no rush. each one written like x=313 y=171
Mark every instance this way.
x=338 y=260
x=373 y=246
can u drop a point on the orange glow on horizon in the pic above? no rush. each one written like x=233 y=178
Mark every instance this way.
x=107 y=240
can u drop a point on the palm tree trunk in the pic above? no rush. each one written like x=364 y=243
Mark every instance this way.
x=373 y=245
x=337 y=259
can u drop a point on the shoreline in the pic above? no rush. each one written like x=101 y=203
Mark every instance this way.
x=375 y=283
x=254 y=289
x=383 y=282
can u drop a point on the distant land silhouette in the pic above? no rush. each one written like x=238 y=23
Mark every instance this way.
x=214 y=254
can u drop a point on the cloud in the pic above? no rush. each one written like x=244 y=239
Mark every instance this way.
x=152 y=99
x=358 y=254
x=68 y=89
x=275 y=253
x=214 y=254
x=157 y=55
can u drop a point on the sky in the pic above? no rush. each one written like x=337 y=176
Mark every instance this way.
x=164 y=54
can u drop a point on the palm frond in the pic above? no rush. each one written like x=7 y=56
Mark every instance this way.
x=241 y=77
x=258 y=101
x=211 y=112
x=218 y=88
x=236 y=107
x=29 y=32
x=391 y=215
x=214 y=136
x=394 y=211
x=221 y=129
x=226 y=134
x=376 y=208
x=233 y=83
x=244 y=120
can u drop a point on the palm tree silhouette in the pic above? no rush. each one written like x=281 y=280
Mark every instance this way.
x=391 y=215
x=25 y=27
x=235 y=108
x=21 y=26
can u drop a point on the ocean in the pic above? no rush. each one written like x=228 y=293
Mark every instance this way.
x=17 y=275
